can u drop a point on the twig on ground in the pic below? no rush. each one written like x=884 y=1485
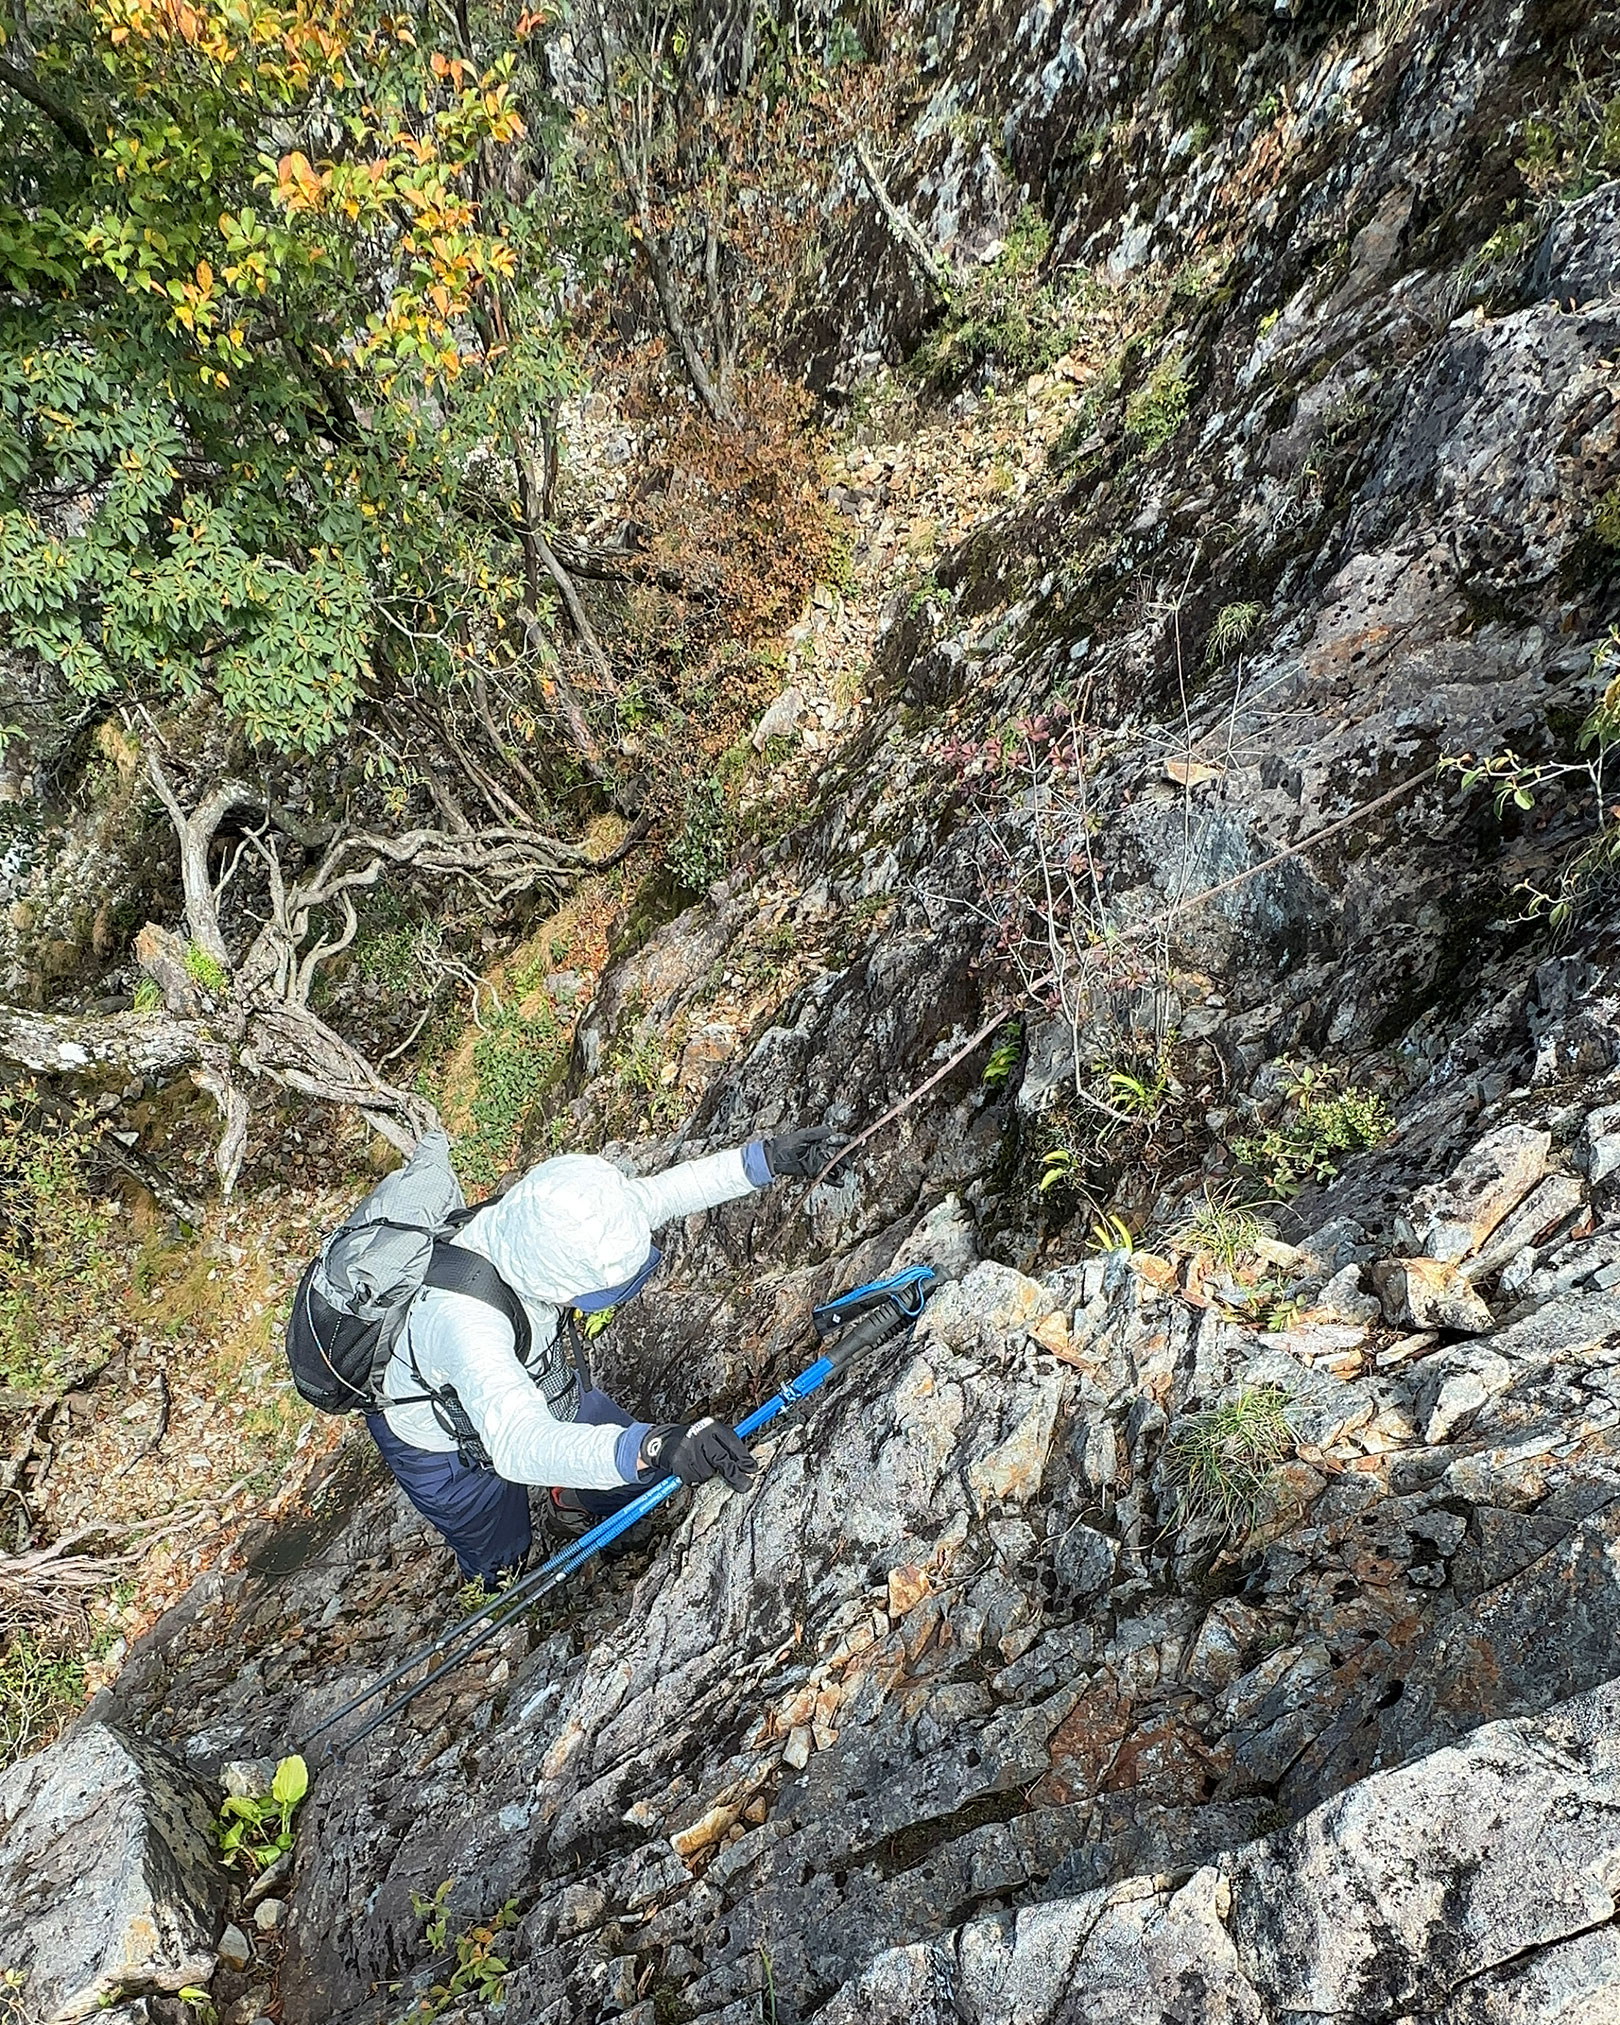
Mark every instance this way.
x=154 y=1439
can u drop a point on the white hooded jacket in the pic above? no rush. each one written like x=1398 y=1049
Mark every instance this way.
x=571 y=1227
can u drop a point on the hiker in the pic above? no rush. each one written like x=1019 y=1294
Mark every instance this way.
x=466 y=1423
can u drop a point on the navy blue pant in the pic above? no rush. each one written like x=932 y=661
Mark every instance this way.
x=485 y=1518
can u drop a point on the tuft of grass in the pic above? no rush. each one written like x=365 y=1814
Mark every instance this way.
x=1223 y=1464
x=1157 y=410
x=1228 y=1234
x=41 y=1685
x=1234 y=624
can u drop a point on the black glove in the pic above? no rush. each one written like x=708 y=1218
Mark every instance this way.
x=694 y=1453
x=804 y=1152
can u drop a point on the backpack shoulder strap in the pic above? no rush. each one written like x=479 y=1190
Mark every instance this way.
x=455 y=1270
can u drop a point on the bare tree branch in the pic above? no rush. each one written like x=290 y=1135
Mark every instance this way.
x=537 y=556
x=899 y=223
x=260 y=1023
x=61 y=116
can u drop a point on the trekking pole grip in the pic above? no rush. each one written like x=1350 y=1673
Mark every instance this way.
x=880 y=1325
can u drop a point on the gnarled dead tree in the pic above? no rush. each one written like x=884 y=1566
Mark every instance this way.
x=230 y=1018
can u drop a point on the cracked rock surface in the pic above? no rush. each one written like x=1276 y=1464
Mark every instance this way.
x=961 y=1714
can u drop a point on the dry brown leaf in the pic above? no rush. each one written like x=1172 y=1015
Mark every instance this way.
x=1192 y=772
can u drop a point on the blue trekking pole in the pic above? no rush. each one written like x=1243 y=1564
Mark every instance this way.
x=867 y=1317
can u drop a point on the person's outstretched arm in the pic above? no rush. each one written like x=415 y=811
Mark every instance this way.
x=695 y=1185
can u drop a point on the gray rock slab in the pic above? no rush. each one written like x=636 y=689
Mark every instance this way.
x=1136 y=1955
x=1454 y=1384
x=1548 y=1203
x=1456 y=1216
x=1550 y=1632
x=1579 y=260
x=1570 y=1328
x=1416 y=1880
x=1473 y=1888
x=110 y=1882
x=1575 y=1983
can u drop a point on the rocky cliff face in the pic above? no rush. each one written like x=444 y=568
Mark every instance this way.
x=961 y=1714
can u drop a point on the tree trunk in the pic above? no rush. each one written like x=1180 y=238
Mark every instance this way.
x=120 y=1044
x=697 y=372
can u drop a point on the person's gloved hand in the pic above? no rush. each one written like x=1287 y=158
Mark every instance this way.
x=707 y=1448
x=804 y=1151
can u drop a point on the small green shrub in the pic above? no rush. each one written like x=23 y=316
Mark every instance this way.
x=41 y=1685
x=1157 y=410
x=1606 y=521
x=1222 y=1464
x=1057 y=1168
x=1004 y=1057
x=1515 y=783
x=1000 y=314
x=927 y=593
x=254 y=1831
x=1140 y=1096
x=642 y=1066
x=1573 y=144
x=701 y=853
x=1316 y=1129
x=478 y=1971
x=206 y=971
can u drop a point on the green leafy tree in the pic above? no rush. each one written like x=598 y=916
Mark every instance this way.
x=265 y=306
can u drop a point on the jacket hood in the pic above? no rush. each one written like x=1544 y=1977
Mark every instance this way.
x=572 y=1226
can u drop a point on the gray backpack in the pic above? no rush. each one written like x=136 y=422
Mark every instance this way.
x=355 y=1294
